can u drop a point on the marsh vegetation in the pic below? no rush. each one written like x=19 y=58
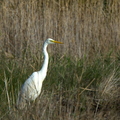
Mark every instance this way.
x=83 y=80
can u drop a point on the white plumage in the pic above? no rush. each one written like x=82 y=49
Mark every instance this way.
x=31 y=89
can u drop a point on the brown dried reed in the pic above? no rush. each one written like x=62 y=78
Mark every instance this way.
x=87 y=28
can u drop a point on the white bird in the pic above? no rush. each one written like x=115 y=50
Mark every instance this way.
x=31 y=89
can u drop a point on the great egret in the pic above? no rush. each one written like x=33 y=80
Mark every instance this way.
x=31 y=89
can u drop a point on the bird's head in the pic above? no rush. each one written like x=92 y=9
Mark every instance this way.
x=51 y=41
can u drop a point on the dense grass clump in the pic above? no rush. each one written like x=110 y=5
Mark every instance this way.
x=72 y=89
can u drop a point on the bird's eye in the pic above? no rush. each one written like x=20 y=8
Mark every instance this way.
x=51 y=40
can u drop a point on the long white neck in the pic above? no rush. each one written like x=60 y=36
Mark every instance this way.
x=46 y=58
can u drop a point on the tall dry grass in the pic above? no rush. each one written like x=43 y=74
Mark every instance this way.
x=86 y=27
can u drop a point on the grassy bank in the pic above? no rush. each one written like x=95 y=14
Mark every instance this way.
x=73 y=89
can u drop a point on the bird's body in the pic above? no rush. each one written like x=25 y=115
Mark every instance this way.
x=31 y=89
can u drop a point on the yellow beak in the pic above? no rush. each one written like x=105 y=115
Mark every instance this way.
x=57 y=42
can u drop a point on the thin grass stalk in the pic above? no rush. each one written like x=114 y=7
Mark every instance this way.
x=6 y=88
